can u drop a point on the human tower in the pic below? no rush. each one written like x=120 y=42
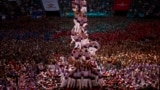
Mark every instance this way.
x=83 y=69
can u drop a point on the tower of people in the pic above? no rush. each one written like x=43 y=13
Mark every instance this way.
x=83 y=71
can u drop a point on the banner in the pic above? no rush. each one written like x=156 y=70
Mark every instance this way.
x=122 y=5
x=90 y=14
x=50 y=5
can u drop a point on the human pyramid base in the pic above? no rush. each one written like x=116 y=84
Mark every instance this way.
x=83 y=71
x=82 y=77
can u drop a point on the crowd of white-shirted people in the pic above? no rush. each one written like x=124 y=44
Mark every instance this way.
x=34 y=57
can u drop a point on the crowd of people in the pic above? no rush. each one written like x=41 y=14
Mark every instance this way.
x=92 y=6
x=128 y=58
x=55 y=27
x=141 y=8
x=144 y=8
x=9 y=9
x=14 y=9
x=30 y=8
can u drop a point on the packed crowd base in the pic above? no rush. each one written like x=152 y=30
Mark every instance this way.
x=128 y=59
